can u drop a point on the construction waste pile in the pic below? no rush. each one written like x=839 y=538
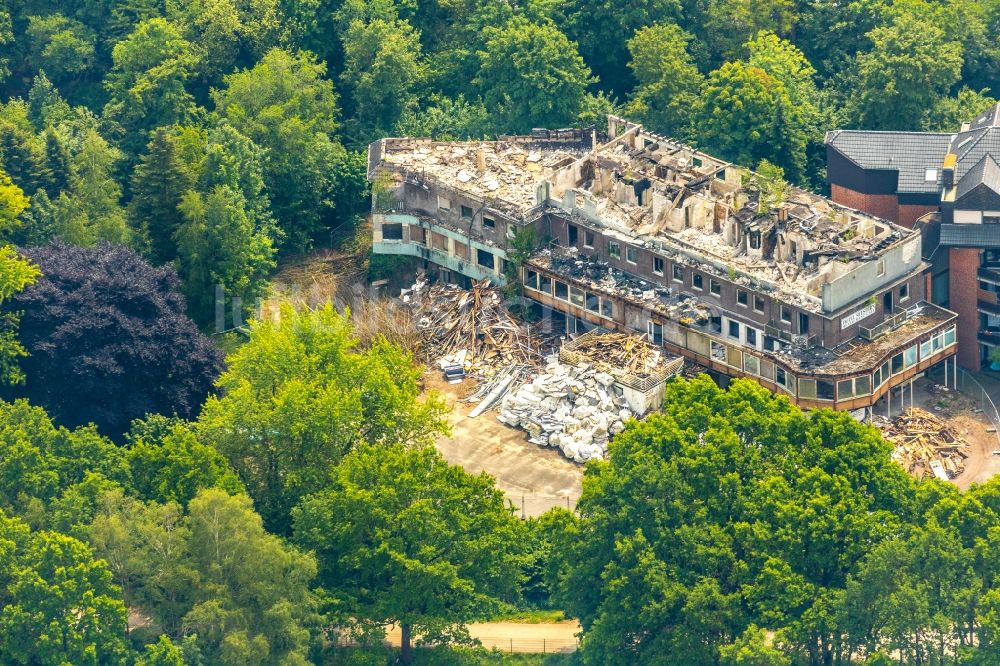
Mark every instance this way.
x=472 y=329
x=572 y=408
x=924 y=444
x=620 y=352
x=574 y=405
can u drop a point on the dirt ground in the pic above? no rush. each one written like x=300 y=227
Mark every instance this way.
x=518 y=637
x=543 y=478
x=539 y=477
x=960 y=412
x=982 y=464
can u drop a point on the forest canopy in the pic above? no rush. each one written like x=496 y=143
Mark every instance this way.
x=159 y=159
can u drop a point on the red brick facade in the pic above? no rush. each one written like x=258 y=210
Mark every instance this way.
x=963 y=287
x=881 y=205
x=909 y=214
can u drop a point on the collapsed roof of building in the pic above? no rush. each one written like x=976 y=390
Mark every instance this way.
x=651 y=191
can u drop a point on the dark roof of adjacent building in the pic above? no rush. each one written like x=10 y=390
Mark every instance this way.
x=990 y=118
x=972 y=146
x=917 y=155
x=911 y=154
x=979 y=188
x=970 y=235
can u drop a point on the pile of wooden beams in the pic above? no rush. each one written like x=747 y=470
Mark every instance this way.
x=472 y=328
x=621 y=351
x=924 y=444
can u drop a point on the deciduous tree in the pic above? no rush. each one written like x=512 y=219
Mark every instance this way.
x=404 y=538
x=531 y=75
x=147 y=81
x=15 y=275
x=39 y=460
x=383 y=69
x=668 y=80
x=60 y=606
x=61 y=45
x=909 y=68
x=105 y=322
x=603 y=28
x=299 y=396
x=748 y=115
x=167 y=462
x=287 y=107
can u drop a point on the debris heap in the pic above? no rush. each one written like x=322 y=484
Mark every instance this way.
x=924 y=444
x=571 y=407
x=469 y=328
x=624 y=352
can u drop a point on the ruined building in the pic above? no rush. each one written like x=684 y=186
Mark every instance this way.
x=633 y=231
x=947 y=184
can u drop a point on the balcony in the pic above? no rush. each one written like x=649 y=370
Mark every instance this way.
x=990 y=275
x=989 y=336
x=987 y=304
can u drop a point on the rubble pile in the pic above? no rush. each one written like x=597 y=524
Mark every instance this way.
x=571 y=407
x=473 y=328
x=924 y=444
x=620 y=351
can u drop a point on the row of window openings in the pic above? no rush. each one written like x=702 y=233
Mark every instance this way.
x=467 y=213
x=856 y=386
x=808 y=388
x=698 y=281
x=484 y=258
x=564 y=292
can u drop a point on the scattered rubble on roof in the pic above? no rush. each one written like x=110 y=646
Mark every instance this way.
x=493 y=169
x=603 y=278
x=652 y=191
x=924 y=444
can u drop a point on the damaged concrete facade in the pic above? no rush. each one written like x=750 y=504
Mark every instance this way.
x=636 y=232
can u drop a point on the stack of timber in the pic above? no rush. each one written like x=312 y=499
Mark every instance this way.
x=925 y=445
x=623 y=352
x=472 y=328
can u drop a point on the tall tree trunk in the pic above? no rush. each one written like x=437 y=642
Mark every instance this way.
x=406 y=650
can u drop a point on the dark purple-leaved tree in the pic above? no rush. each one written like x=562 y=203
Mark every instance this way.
x=109 y=340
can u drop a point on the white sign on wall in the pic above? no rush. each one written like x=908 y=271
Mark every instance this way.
x=859 y=315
